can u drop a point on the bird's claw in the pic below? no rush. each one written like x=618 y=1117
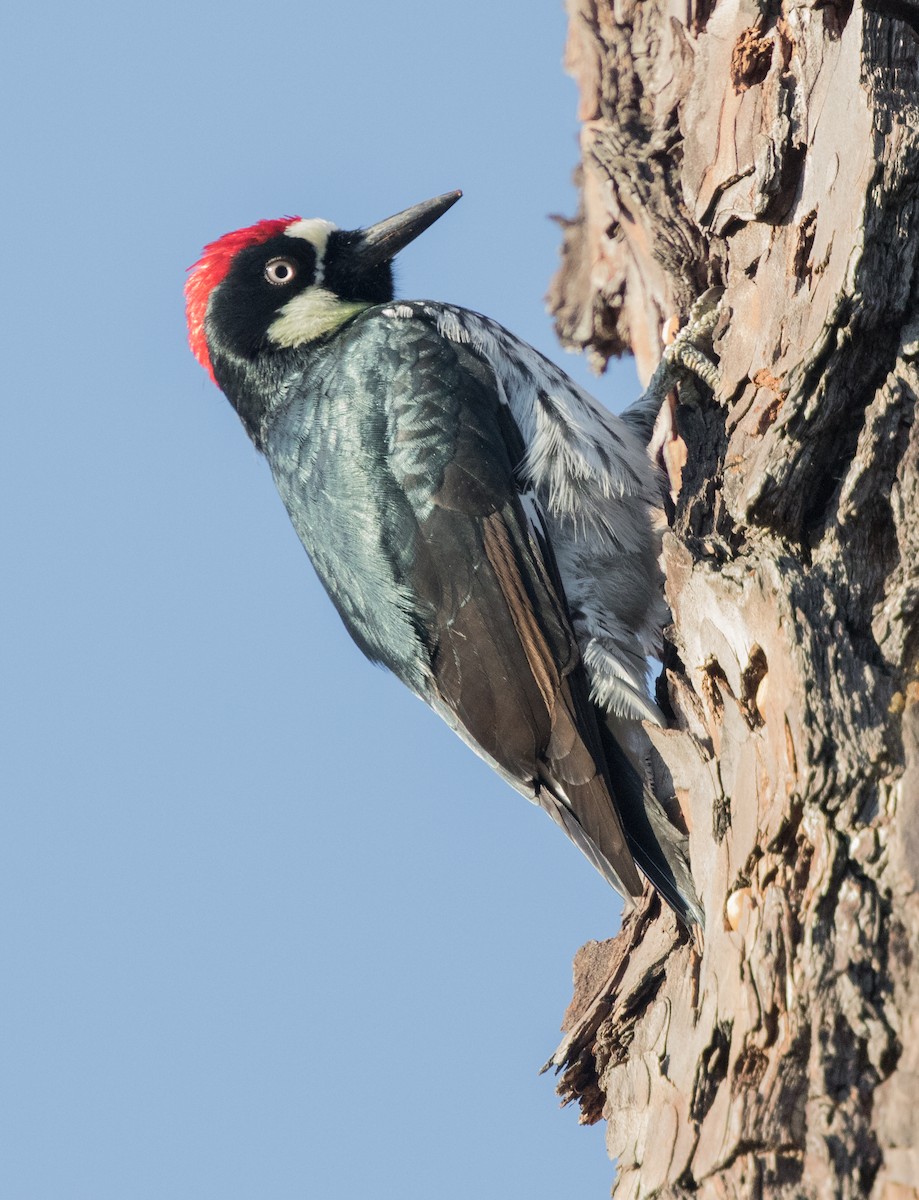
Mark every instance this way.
x=683 y=355
x=682 y=361
x=705 y=310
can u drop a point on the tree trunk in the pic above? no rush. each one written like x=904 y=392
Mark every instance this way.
x=773 y=150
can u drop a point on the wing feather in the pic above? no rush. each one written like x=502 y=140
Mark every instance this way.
x=504 y=657
x=401 y=468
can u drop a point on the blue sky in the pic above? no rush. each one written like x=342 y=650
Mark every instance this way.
x=267 y=928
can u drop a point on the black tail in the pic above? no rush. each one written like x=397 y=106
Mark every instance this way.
x=658 y=847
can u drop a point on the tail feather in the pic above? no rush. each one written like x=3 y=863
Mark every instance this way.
x=622 y=876
x=658 y=847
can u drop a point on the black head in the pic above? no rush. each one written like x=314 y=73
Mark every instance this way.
x=291 y=282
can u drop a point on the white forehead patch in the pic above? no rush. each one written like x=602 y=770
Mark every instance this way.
x=315 y=231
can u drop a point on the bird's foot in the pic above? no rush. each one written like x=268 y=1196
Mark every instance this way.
x=683 y=356
x=682 y=362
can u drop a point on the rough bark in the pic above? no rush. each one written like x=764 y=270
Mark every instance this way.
x=773 y=149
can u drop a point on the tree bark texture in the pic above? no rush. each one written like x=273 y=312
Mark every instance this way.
x=772 y=148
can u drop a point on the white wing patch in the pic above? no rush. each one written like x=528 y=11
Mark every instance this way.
x=402 y=312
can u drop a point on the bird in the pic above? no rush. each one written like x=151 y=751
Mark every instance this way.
x=483 y=526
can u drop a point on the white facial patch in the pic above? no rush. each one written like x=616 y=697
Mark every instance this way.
x=315 y=231
x=310 y=315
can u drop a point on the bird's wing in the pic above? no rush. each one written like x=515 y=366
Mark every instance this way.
x=504 y=662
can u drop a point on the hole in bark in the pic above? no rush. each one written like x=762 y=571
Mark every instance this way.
x=789 y=180
x=751 y=680
x=751 y=59
x=789 y=839
x=890 y=1056
x=750 y=1068
x=712 y=1069
x=836 y=14
x=802 y=866
x=721 y=818
x=800 y=265
x=714 y=684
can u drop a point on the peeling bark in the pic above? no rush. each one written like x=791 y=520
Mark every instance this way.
x=773 y=150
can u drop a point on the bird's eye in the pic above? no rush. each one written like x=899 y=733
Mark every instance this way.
x=280 y=271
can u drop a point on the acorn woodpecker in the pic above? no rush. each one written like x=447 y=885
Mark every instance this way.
x=484 y=528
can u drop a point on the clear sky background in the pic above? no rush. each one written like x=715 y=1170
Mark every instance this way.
x=267 y=929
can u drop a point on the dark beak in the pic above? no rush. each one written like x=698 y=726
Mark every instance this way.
x=380 y=243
